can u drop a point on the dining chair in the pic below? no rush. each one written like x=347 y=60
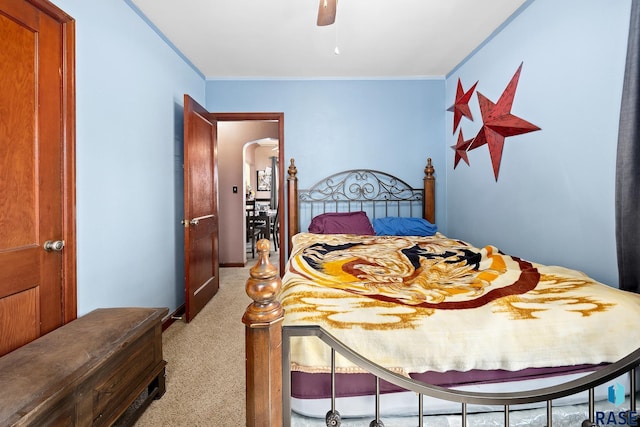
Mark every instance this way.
x=256 y=229
x=275 y=229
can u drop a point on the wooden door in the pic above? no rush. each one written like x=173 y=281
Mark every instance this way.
x=200 y=208
x=37 y=203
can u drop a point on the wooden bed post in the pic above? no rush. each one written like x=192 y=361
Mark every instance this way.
x=263 y=343
x=292 y=203
x=429 y=199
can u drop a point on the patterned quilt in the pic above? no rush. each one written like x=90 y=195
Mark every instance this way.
x=415 y=304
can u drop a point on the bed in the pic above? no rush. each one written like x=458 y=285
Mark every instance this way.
x=398 y=322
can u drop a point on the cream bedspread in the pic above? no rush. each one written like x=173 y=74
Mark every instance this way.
x=414 y=304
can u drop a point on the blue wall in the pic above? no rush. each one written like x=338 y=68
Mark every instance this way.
x=554 y=199
x=130 y=87
x=333 y=125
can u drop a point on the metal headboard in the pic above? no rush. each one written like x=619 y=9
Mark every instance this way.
x=377 y=193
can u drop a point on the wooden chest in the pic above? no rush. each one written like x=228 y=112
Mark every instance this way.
x=87 y=372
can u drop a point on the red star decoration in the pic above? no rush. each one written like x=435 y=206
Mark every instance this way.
x=461 y=105
x=499 y=123
x=461 y=149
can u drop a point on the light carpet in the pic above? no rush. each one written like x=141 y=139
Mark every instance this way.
x=205 y=374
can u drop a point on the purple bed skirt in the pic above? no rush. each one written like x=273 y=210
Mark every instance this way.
x=316 y=386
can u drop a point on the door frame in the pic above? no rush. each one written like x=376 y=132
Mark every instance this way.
x=68 y=140
x=279 y=117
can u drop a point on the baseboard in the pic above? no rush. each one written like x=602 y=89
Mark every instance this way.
x=176 y=315
x=232 y=264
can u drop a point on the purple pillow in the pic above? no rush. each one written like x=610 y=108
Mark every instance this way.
x=342 y=223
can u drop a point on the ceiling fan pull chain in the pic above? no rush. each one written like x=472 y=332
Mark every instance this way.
x=336 y=50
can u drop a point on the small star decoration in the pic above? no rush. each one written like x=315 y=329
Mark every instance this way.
x=461 y=105
x=461 y=149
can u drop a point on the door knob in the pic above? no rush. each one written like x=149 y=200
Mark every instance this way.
x=51 y=245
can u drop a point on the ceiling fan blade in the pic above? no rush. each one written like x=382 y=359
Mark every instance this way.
x=327 y=12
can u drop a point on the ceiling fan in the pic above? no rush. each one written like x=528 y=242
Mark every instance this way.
x=327 y=12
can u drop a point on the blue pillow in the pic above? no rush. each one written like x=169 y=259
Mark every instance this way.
x=397 y=226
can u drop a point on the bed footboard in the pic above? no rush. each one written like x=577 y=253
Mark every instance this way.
x=263 y=341
x=508 y=401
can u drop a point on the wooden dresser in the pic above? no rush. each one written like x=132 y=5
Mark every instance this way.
x=87 y=372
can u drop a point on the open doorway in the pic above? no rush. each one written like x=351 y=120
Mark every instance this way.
x=234 y=131
x=261 y=164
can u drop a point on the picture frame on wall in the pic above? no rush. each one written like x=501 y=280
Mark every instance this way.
x=264 y=180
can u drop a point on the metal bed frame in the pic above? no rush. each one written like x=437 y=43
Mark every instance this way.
x=506 y=400
x=267 y=341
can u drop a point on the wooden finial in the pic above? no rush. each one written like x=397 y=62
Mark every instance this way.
x=429 y=200
x=429 y=169
x=263 y=343
x=262 y=286
x=293 y=171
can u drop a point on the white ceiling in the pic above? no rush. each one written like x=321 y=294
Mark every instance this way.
x=280 y=39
